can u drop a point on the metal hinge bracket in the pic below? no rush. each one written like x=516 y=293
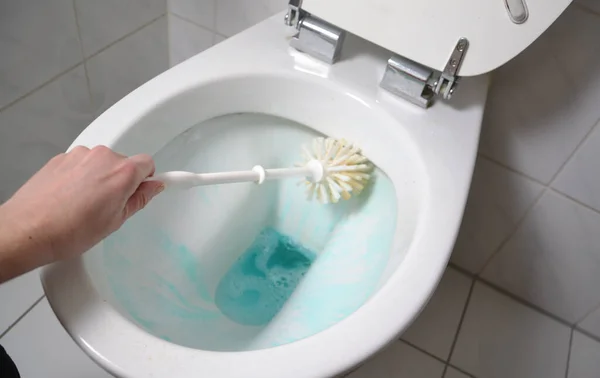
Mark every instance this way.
x=315 y=37
x=419 y=84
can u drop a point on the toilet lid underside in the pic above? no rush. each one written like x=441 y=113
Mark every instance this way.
x=426 y=31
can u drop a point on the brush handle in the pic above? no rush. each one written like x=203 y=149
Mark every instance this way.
x=187 y=180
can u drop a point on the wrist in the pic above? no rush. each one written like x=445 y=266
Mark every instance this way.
x=22 y=245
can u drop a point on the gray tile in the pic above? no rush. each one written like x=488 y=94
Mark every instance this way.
x=435 y=328
x=585 y=357
x=498 y=200
x=591 y=322
x=453 y=373
x=400 y=360
x=40 y=347
x=202 y=12
x=576 y=179
x=41 y=126
x=38 y=40
x=502 y=338
x=18 y=295
x=533 y=124
x=128 y=64
x=105 y=21
x=233 y=16
x=186 y=40
x=553 y=259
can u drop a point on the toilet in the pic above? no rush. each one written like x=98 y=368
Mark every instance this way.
x=154 y=299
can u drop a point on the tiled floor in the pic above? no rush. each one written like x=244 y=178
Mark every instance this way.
x=468 y=329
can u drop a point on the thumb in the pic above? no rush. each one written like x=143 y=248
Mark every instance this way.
x=140 y=198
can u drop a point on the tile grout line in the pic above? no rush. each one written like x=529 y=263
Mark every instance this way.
x=192 y=22
x=429 y=354
x=460 y=323
x=518 y=224
x=572 y=154
x=587 y=9
x=53 y=78
x=85 y=70
x=41 y=86
x=513 y=170
x=13 y=324
x=586 y=333
x=569 y=353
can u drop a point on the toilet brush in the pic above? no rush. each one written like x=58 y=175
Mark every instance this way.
x=334 y=169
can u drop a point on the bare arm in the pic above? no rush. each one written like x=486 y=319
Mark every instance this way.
x=72 y=203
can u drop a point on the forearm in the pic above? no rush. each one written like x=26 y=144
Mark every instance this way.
x=22 y=247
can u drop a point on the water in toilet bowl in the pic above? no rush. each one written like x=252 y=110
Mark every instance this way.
x=195 y=267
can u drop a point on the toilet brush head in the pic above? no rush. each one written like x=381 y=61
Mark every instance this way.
x=338 y=170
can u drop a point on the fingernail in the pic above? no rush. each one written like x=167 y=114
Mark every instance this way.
x=158 y=190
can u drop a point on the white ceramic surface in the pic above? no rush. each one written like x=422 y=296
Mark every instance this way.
x=398 y=26
x=428 y=156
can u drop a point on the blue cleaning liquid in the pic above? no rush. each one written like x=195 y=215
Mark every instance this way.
x=259 y=283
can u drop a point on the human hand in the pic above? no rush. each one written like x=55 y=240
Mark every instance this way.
x=73 y=202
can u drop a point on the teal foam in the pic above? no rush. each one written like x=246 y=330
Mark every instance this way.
x=259 y=283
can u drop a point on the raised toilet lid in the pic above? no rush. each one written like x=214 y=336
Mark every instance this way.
x=426 y=31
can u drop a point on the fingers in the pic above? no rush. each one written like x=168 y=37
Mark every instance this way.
x=144 y=166
x=140 y=198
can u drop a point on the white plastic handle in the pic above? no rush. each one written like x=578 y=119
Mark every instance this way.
x=187 y=180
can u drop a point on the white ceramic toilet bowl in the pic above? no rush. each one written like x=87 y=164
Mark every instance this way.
x=251 y=100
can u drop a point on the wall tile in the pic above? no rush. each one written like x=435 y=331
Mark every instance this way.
x=233 y=16
x=591 y=322
x=502 y=338
x=498 y=199
x=537 y=112
x=38 y=40
x=400 y=360
x=103 y=22
x=186 y=40
x=553 y=259
x=128 y=64
x=435 y=328
x=219 y=38
x=17 y=296
x=202 y=12
x=585 y=357
x=40 y=347
x=453 y=373
x=41 y=126
x=579 y=178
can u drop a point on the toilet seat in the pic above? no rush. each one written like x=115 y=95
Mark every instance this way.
x=443 y=141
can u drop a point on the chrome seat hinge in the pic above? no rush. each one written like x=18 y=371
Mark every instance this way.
x=315 y=37
x=420 y=84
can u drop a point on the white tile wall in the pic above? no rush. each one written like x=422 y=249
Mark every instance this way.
x=41 y=126
x=501 y=338
x=435 y=328
x=201 y=12
x=553 y=260
x=497 y=201
x=585 y=357
x=103 y=22
x=400 y=360
x=128 y=64
x=186 y=39
x=40 y=347
x=233 y=16
x=38 y=40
